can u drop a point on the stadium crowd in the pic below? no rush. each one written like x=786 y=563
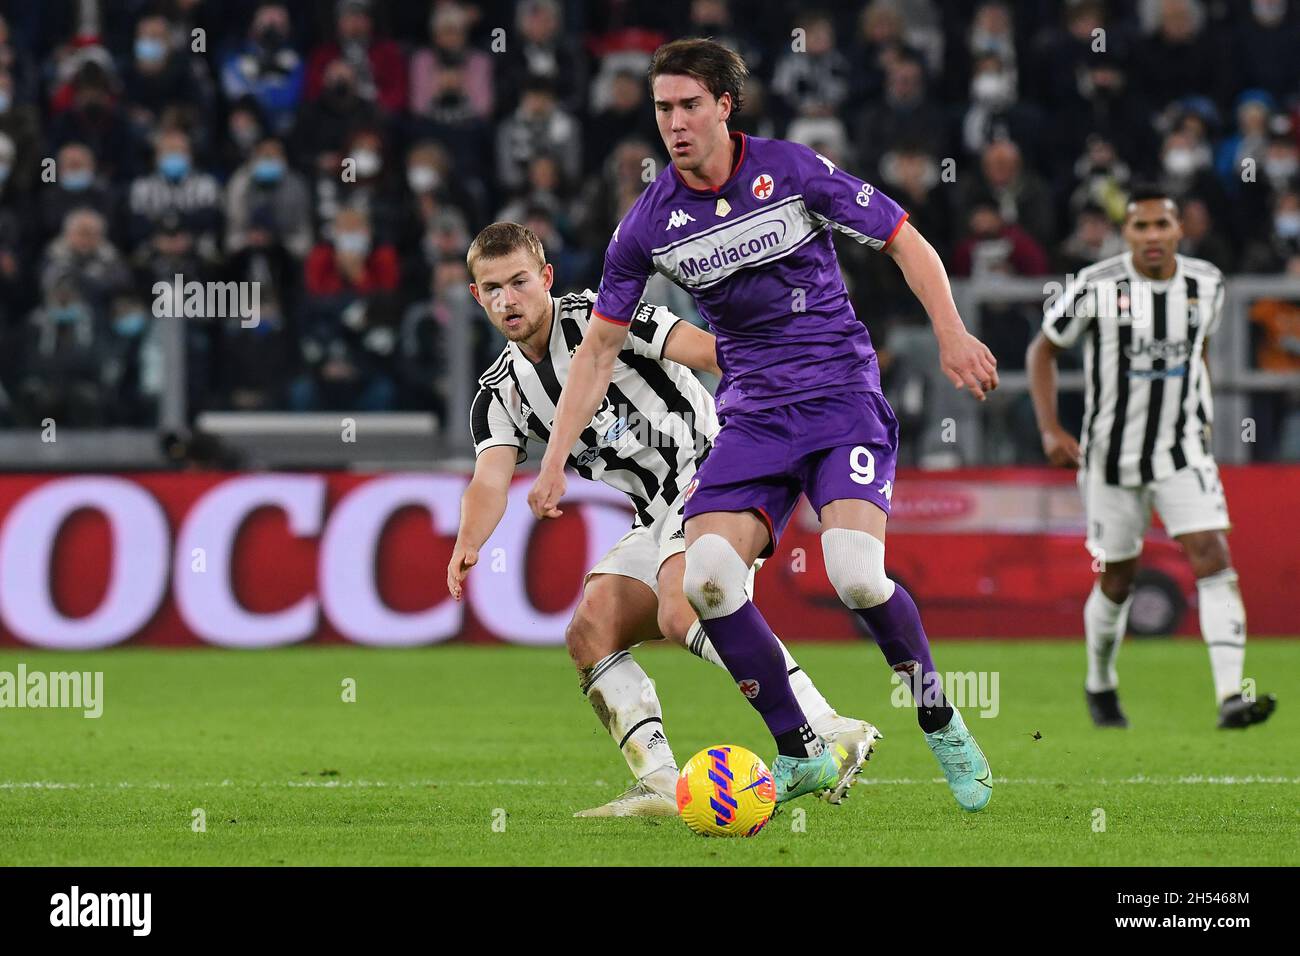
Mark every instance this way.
x=342 y=155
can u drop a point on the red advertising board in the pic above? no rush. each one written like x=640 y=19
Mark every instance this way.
x=270 y=559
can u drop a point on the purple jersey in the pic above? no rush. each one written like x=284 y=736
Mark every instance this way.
x=756 y=255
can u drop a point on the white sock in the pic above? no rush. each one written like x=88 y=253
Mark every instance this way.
x=625 y=701
x=1104 y=622
x=811 y=701
x=1223 y=626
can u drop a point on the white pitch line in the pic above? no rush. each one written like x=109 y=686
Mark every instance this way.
x=1195 y=780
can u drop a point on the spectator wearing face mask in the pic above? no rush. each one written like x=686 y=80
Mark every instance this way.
x=1276 y=170
x=267 y=68
x=1187 y=165
x=159 y=77
x=994 y=247
x=175 y=190
x=132 y=364
x=77 y=186
x=351 y=263
x=379 y=64
x=325 y=123
x=1279 y=249
x=449 y=28
x=434 y=200
x=997 y=113
x=350 y=321
x=62 y=360
x=266 y=191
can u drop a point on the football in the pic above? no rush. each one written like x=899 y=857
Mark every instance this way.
x=726 y=791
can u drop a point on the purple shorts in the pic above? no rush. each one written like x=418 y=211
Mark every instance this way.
x=829 y=447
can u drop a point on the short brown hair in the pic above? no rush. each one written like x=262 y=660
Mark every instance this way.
x=718 y=69
x=501 y=239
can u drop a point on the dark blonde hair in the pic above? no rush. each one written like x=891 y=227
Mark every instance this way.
x=718 y=69
x=501 y=239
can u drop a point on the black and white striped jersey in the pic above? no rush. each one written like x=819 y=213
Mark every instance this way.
x=1147 y=408
x=655 y=423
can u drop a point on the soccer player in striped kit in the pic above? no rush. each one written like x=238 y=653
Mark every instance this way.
x=655 y=422
x=744 y=224
x=1145 y=316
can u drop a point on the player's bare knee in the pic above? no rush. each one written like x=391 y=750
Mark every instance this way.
x=675 y=620
x=585 y=639
x=715 y=576
x=855 y=565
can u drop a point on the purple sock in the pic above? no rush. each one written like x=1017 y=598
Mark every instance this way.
x=753 y=658
x=896 y=626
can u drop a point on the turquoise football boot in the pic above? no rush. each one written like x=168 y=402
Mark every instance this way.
x=830 y=775
x=963 y=763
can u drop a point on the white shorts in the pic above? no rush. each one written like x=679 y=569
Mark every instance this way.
x=642 y=551
x=1191 y=499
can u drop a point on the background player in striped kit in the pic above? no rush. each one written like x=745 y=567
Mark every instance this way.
x=1145 y=316
x=656 y=421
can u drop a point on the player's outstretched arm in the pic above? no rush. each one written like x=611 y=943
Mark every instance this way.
x=692 y=347
x=589 y=377
x=1060 y=447
x=481 y=508
x=965 y=359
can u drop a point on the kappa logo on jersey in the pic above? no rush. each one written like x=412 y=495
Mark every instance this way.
x=887 y=489
x=749 y=688
x=679 y=218
x=762 y=186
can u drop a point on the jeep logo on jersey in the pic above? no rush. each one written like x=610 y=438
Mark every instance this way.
x=762 y=186
x=678 y=218
x=1175 y=351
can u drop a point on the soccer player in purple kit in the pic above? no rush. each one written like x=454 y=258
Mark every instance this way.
x=744 y=224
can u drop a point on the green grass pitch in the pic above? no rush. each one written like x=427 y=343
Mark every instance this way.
x=443 y=742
